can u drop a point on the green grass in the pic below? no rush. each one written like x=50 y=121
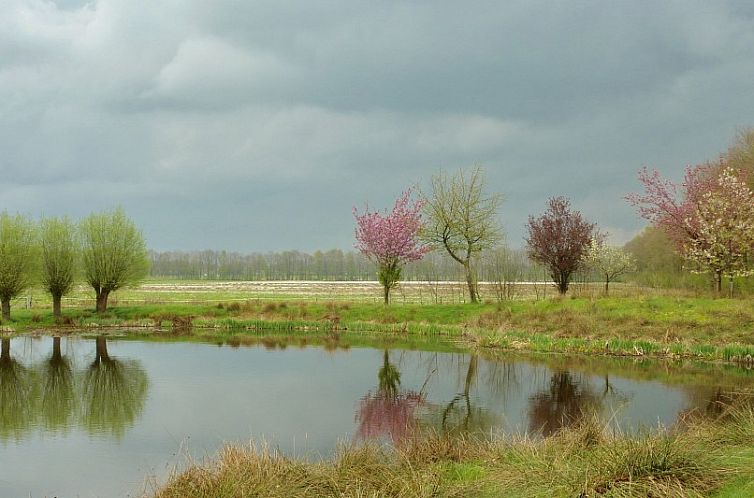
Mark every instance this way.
x=640 y=326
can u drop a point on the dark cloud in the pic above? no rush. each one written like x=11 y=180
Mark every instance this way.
x=258 y=125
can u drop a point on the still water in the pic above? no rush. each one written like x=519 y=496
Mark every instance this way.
x=97 y=416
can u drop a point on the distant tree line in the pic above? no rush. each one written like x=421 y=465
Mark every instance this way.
x=333 y=265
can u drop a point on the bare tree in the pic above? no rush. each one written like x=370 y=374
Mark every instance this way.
x=462 y=219
x=18 y=257
x=114 y=254
x=559 y=239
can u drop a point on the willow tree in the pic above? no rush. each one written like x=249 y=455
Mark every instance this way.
x=461 y=218
x=60 y=250
x=114 y=254
x=18 y=257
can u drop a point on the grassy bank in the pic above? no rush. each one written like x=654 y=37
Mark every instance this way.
x=701 y=458
x=659 y=326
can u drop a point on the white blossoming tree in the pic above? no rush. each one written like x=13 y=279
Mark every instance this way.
x=609 y=261
x=724 y=223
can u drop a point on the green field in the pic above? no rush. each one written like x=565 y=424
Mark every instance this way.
x=633 y=324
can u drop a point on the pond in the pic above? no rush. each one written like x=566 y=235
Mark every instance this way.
x=97 y=416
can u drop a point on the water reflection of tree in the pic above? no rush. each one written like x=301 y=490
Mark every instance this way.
x=565 y=403
x=711 y=402
x=113 y=392
x=462 y=413
x=16 y=395
x=58 y=405
x=388 y=412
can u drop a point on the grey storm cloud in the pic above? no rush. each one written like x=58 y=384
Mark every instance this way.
x=258 y=125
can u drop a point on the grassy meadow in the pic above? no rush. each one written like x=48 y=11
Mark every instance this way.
x=630 y=322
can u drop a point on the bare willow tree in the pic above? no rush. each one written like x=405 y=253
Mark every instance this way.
x=114 y=254
x=60 y=252
x=462 y=218
x=18 y=257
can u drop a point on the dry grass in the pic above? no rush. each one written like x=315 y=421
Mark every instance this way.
x=582 y=461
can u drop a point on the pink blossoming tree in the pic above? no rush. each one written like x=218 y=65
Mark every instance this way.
x=391 y=239
x=709 y=216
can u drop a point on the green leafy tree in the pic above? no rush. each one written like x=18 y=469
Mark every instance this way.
x=18 y=257
x=60 y=253
x=609 y=261
x=655 y=252
x=114 y=254
x=462 y=219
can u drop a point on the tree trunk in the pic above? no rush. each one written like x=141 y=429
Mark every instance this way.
x=471 y=282
x=56 y=298
x=102 y=300
x=718 y=283
x=56 y=354
x=563 y=284
x=6 y=309
x=607 y=284
x=101 y=349
x=5 y=348
x=386 y=292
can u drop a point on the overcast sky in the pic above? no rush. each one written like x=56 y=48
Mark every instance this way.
x=257 y=125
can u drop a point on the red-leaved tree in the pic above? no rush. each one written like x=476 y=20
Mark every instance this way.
x=559 y=239
x=391 y=239
x=671 y=207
